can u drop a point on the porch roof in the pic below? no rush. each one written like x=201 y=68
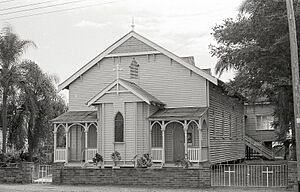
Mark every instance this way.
x=130 y=86
x=76 y=116
x=179 y=113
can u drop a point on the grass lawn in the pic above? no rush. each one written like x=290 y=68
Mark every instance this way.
x=87 y=188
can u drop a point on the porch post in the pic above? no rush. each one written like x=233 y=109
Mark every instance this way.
x=163 y=128
x=185 y=128
x=55 y=135
x=200 y=140
x=67 y=142
x=85 y=146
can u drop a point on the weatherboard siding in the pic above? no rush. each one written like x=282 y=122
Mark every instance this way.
x=251 y=112
x=100 y=129
x=113 y=97
x=165 y=79
x=143 y=129
x=108 y=131
x=132 y=45
x=130 y=126
x=225 y=146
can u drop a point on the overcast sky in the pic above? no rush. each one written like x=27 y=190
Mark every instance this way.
x=69 y=39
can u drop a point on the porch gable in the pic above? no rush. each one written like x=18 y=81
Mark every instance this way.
x=121 y=86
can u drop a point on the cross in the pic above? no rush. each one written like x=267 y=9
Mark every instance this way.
x=132 y=24
x=267 y=172
x=229 y=173
x=117 y=69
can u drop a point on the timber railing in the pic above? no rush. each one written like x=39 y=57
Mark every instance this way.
x=259 y=147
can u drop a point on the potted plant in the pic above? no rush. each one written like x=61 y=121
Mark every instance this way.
x=116 y=157
x=144 y=161
x=185 y=163
x=98 y=159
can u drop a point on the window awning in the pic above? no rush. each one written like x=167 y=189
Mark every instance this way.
x=76 y=116
x=179 y=113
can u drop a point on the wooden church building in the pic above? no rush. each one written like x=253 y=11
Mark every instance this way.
x=137 y=97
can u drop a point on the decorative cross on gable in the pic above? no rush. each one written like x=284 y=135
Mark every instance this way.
x=229 y=175
x=267 y=172
x=118 y=69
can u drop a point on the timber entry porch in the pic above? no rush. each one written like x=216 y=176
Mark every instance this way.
x=179 y=133
x=75 y=136
x=243 y=175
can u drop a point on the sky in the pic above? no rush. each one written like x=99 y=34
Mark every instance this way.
x=67 y=40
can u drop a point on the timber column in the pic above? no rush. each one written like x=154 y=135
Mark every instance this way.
x=163 y=128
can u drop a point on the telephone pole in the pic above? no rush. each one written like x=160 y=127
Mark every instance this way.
x=295 y=78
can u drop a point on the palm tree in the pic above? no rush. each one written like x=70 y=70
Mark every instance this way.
x=11 y=49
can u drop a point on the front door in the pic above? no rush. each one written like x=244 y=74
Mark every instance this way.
x=76 y=141
x=178 y=142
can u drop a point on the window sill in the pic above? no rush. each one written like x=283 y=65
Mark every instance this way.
x=119 y=142
x=265 y=129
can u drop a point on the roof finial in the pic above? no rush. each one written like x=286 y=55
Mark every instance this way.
x=132 y=24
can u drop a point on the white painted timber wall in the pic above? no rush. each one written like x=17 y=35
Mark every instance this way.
x=162 y=77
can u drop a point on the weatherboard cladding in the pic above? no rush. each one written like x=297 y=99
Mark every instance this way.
x=108 y=131
x=137 y=93
x=109 y=98
x=251 y=111
x=106 y=52
x=132 y=45
x=223 y=147
x=173 y=84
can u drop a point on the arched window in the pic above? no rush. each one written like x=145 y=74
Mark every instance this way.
x=119 y=128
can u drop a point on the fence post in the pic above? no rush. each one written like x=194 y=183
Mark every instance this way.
x=248 y=176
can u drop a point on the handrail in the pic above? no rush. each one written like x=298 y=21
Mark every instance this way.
x=259 y=146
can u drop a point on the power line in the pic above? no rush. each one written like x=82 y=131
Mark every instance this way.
x=28 y=5
x=56 y=11
x=6 y=1
x=42 y=7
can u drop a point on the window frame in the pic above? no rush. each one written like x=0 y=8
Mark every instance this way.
x=270 y=127
x=115 y=127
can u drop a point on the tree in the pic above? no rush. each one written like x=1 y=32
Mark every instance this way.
x=256 y=46
x=11 y=49
x=40 y=102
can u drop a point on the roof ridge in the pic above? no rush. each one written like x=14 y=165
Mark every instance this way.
x=123 y=39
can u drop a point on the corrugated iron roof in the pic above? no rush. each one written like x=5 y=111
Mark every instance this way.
x=132 y=87
x=179 y=113
x=142 y=92
x=76 y=116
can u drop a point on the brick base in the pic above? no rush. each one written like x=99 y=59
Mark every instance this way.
x=165 y=177
x=21 y=174
x=292 y=175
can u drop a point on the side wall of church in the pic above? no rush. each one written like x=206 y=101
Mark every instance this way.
x=226 y=126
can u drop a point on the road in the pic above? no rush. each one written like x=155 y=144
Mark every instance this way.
x=87 y=188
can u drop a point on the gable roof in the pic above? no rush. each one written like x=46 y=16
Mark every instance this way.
x=132 y=87
x=106 y=52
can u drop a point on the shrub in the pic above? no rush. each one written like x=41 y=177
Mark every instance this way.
x=98 y=158
x=144 y=161
x=185 y=163
x=115 y=156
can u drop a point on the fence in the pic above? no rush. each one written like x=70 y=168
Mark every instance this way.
x=249 y=175
x=42 y=174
